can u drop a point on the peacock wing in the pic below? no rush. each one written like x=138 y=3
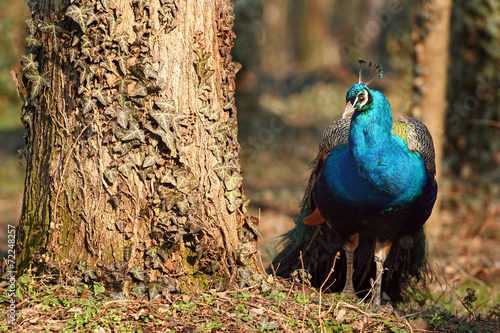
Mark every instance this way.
x=303 y=241
x=418 y=138
x=337 y=134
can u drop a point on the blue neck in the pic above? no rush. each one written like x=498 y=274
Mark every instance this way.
x=371 y=128
x=376 y=168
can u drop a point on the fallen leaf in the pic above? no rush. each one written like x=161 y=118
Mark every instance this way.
x=340 y=315
x=171 y=265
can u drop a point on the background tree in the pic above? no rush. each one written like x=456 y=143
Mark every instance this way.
x=131 y=137
x=431 y=33
x=473 y=118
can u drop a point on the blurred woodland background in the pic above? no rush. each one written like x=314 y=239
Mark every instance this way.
x=299 y=59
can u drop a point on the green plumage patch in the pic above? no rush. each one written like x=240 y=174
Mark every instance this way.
x=400 y=129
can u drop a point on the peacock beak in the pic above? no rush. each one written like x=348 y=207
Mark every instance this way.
x=349 y=109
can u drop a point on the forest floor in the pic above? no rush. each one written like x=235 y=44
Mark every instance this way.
x=277 y=146
x=272 y=305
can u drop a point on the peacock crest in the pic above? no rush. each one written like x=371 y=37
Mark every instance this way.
x=369 y=71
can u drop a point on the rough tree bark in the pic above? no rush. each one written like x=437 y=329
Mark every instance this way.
x=431 y=31
x=132 y=148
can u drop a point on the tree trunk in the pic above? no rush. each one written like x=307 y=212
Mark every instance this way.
x=431 y=34
x=313 y=41
x=473 y=119
x=132 y=145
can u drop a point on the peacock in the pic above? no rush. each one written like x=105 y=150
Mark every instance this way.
x=371 y=189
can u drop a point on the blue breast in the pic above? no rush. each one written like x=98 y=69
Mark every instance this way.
x=388 y=176
x=374 y=183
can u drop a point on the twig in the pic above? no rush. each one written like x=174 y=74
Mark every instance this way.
x=347 y=305
x=373 y=283
x=408 y=324
x=260 y=261
x=468 y=275
x=337 y=256
x=489 y=219
x=484 y=122
x=303 y=292
x=458 y=297
x=492 y=309
x=130 y=301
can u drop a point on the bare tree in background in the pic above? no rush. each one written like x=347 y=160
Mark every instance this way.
x=431 y=32
x=473 y=120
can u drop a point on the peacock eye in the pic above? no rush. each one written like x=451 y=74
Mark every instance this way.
x=361 y=98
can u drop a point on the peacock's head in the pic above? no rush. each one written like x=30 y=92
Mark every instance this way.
x=358 y=98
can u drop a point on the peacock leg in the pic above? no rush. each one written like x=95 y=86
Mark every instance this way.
x=349 y=248
x=382 y=249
